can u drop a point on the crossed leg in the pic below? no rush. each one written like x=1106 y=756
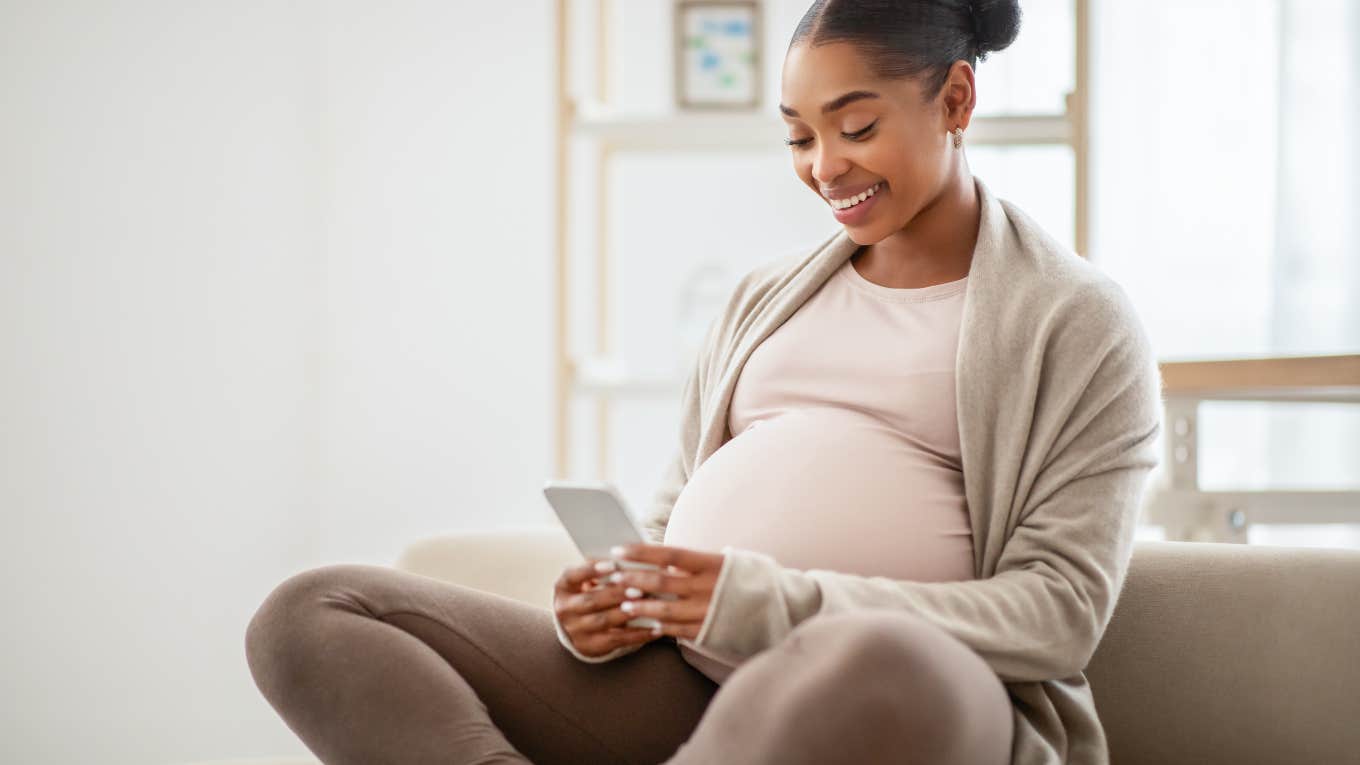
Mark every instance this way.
x=369 y=664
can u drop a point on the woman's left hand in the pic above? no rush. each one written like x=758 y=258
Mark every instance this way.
x=689 y=574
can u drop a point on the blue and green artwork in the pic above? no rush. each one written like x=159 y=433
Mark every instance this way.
x=719 y=54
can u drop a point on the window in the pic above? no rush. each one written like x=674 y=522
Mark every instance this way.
x=1224 y=185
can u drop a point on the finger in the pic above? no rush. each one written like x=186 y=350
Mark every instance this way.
x=574 y=577
x=668 y=610
x=656 y=582
x=582 y=625
x=602 y=598
x=693 y=561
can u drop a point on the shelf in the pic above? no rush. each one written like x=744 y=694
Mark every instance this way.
x=1292 y=378
x=697 y=130
x=612 y=377
x=749 y=129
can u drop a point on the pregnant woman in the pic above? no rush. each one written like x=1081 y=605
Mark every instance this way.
x=900 y=512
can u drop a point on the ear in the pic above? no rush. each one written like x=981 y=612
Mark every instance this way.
x=959 y=94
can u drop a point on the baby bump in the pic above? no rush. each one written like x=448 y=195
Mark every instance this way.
x=831 y=489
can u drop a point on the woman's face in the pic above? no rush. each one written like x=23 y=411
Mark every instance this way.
x=891 y=141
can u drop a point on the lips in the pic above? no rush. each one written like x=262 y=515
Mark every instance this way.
x=855 y=215
x=845 y=192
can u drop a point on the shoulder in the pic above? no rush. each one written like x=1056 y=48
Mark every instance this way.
x=1073 y=289
x=1075 y=317
x=1065 y=311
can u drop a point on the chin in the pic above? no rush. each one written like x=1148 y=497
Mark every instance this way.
x=858 y=237
x=864 y=235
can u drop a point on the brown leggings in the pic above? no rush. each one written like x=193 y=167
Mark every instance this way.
x=371 y=665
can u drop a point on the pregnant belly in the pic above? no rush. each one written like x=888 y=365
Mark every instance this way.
x=831 y=489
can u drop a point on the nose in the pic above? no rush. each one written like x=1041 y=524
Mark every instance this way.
x=828 y=164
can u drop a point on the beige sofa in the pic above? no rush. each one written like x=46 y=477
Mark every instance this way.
x=1217 y=653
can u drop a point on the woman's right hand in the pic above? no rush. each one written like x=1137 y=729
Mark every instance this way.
x=587 y=606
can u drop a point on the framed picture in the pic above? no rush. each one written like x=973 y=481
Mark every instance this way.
x=717 y=54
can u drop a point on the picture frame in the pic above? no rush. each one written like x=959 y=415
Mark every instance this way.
x=718 y=54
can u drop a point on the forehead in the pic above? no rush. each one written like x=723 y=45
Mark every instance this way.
x=813 y=75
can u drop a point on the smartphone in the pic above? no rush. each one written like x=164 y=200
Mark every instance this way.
x=597 y=518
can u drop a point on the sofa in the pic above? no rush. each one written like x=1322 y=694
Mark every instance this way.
x=1216 y=653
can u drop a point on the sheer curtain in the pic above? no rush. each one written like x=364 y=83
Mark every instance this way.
x=1225 y=166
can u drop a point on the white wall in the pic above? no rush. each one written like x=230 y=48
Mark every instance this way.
x=265 y=302
x=437 y=206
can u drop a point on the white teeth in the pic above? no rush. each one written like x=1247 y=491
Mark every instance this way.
x=841 y=204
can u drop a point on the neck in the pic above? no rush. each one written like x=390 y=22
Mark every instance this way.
x=935 y=247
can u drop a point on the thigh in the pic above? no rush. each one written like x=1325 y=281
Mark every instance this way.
x=552 y=707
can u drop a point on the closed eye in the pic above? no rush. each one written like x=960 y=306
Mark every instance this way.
x=855 y=136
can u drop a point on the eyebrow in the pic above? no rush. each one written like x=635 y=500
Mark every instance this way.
x=836 y=103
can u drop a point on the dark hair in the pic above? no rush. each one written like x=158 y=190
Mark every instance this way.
x=906 y=38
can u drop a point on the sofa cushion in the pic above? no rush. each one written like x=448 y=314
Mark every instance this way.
x=1231 y=653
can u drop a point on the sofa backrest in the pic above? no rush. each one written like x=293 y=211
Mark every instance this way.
x=1232 y=653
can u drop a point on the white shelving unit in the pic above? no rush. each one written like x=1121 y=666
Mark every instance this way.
x=1189 y=512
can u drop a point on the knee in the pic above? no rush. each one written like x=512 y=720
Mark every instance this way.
x=278 y=635
x=867 y=642
x=888 y=661
x=892 y=673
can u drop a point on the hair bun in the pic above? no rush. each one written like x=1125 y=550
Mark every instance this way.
x=996 y=24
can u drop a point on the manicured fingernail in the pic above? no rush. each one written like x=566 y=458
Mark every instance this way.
x=628 y=606
x=616 y=576
x=604 y=565
x=616 y=551
x=633 y=592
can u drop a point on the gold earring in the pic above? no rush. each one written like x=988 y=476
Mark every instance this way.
x=958 y=137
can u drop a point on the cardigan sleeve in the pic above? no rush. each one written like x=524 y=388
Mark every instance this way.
x=1043 y=611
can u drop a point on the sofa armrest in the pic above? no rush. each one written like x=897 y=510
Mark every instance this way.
x=517 y=562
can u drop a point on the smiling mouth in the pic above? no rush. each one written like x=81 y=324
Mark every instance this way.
x=858 y=199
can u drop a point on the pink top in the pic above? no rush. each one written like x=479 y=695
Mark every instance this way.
x=858 y=382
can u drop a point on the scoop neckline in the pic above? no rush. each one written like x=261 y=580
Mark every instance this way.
x=901 y=294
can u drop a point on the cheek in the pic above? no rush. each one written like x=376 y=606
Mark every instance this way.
x=912 y=176
x=910 y=159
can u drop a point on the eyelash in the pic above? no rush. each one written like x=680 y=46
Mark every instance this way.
x=856 y=136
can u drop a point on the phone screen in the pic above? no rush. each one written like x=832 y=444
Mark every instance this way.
x=594 y=515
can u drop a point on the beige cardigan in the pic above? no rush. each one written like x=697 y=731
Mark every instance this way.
x=1059 y=408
